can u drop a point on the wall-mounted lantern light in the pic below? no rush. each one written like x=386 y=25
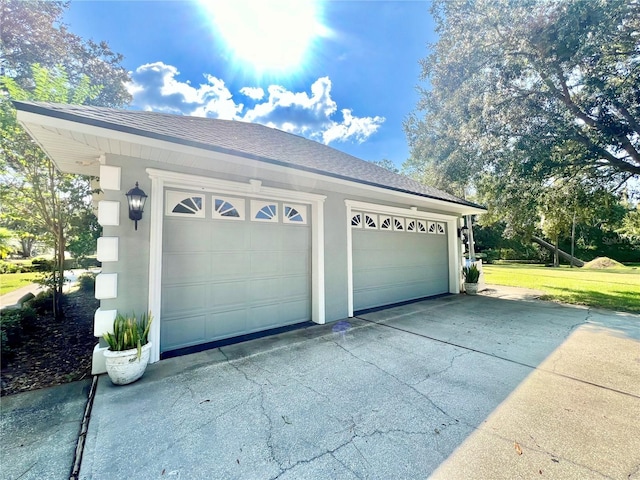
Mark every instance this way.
x=136 y=198
x=462 y=233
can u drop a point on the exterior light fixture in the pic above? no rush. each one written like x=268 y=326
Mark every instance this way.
x=462 y=233
x=136 y=198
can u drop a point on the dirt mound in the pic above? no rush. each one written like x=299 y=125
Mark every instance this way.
x=603 y=262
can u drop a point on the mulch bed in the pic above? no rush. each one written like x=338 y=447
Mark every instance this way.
x=55 y=351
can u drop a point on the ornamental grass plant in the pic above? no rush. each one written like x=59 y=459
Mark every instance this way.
x=471 y=273
x=129 y=332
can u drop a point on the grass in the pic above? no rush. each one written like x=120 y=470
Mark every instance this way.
x=13 y=281
x=612 y=289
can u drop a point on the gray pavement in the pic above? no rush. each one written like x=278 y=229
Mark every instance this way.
x=39 y=431
x=455 y=387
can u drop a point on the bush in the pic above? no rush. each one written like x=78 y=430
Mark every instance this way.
x=88 y=262
x=87 y=282
x=13 y=324
x=42 y=303
x=8 y=267
x=42 y=264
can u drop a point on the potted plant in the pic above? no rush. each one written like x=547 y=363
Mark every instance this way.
x=129 y=348
x=471 y=276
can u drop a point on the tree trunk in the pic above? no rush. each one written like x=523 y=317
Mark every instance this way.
x=573 y=238
x=556 y=255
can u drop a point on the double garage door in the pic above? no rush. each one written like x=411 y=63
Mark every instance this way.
x=397 y=259
x=232 y=266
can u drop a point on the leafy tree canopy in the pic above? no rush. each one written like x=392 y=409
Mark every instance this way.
x=530 y=88
x=32 y=32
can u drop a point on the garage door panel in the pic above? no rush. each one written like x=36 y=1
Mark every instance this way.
x=265 y=263
x=295 y=262
x=227 y=236
x=229 y=264
x=265 y=236
x=195 y=238
x=396 y=266
x=182 y=267
x=226 y=294
x=265 y=289
x=295 y=237
x=225 y=324
x=296 y=286
x=183 y=331
x=295 y=311
x=263 y=317
x=239 y=277
x=184 y=298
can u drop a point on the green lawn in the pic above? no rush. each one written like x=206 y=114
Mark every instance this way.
x=614 y=289
x=13 y=281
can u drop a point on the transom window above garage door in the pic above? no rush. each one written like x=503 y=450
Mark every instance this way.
x=228 y=208
x=181 y=204
x=374 y=221
x=225 y=207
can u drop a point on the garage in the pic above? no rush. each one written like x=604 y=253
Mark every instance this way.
x=232 y=266
x=397 y=258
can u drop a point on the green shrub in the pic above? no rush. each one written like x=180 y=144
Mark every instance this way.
x=14 y=323
x=88 y=262
x=42 y=303
x=87 y=282
x=129 y=332
x=42 y=264
x=8 y=267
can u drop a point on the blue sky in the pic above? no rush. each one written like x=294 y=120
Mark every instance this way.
x=343 y=73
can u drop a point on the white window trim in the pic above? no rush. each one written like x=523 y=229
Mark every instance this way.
x=453 y=244
x=375 y=219
x=381 y=220
x=402 y=222
x=415 y=225
x=301 y=209
x=174 y=197
x=238 y=204
x=350 y=220
x=161 y=179
x=257 y=205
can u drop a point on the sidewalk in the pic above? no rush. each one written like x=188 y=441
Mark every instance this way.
x=12 y=298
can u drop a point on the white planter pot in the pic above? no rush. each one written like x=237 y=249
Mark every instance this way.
x=124 y=367
x=471 y=288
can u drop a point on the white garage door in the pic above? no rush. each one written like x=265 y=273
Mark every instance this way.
x=397 y=259
x=232 y=266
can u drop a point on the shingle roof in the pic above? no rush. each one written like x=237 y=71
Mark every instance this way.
x=243 y=139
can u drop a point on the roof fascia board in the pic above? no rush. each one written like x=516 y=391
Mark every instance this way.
x=252 y=189
x=388 y=210
x=249 y=160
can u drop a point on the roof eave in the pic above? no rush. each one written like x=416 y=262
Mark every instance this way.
x=465 y=208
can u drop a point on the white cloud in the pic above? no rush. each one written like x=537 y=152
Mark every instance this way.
x=155 y=87
x=358 y=128
x=256 y=93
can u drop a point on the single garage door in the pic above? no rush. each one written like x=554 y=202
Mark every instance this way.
x=396 y=259
x=232 y=266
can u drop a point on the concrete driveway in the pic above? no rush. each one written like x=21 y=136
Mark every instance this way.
x=455 y=387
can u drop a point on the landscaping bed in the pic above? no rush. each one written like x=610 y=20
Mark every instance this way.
x=48 y=351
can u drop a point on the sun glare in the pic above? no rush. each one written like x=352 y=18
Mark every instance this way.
x=270 y=36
